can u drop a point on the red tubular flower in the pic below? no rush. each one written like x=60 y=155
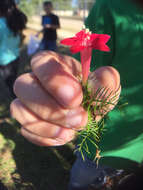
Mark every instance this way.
x=83 y=42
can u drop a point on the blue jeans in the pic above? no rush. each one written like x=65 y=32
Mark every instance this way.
x=48 y=45
x=86 y=173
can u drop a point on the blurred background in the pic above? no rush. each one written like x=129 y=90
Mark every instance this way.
x=24 y=166
x=72 y=13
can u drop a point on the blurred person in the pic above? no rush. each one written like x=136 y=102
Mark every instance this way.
x=122 y=144
x=50 y=23
x=12 y=22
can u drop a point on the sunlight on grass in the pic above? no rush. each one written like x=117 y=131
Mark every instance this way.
x=7 y=163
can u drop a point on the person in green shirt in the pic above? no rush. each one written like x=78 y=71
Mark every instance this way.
x=122 y=145
x=40 y=115
x=123 y=20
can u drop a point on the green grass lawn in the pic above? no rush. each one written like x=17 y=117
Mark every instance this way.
x=24 y=166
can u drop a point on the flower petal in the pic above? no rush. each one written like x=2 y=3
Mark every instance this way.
x=69 y=41
x=80 y=34
x=101 y=47
x=100 y=41
x=93 y=37
x=76 y=48
x=104 y=37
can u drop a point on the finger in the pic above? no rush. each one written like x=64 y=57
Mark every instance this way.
x=58 y=75
x=21 y=113
x=107 y=79
x=36 y=126
x=68 y=63
x=49 y=130
x=37 y=100
x=40 y=141
x=108 y=105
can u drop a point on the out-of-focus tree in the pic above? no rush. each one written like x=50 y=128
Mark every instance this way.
x=29 y=6
x=62 y=4
x=85 y=4
x=34 y=6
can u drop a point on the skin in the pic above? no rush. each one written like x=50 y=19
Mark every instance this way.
x=48 y=104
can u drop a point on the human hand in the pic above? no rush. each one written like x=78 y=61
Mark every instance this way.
x=47 y=25
x=49 y=99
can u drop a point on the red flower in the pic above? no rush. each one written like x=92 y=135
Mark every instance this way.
x=83 y=42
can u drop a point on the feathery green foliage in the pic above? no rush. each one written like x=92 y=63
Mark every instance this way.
x=97 y=106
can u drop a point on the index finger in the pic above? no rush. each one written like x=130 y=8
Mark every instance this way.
x=59 y=74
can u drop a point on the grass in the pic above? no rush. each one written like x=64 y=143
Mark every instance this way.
x=24 y=166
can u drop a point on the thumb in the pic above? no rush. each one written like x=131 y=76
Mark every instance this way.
x=105 y=86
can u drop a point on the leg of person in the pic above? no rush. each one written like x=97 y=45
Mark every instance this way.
x=11 y=69
x=86 y=173
x=51 y=45
x=2 y=72
x=5 y=71
x=42 y=45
